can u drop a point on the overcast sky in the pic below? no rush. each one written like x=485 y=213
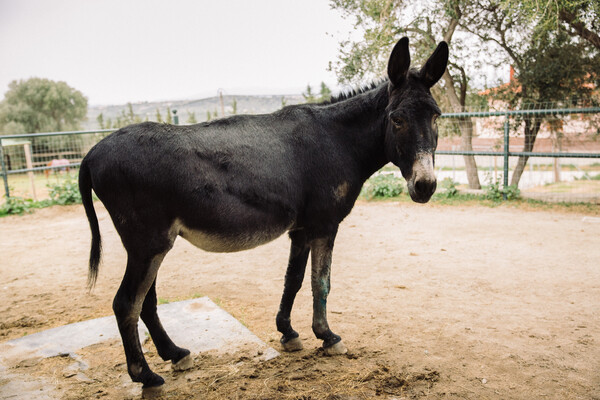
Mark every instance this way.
x=119 y=51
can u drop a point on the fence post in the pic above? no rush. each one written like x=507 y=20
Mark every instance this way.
x=175 y=117
x=506 y=152
x=4 y=171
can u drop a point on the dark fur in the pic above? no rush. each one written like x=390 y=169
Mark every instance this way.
x=299 y=169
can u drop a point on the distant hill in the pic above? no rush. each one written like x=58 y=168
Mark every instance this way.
x=147 y=110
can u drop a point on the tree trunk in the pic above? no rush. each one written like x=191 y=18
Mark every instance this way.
x=557 y=147
x=532 y=127
x=466 y=129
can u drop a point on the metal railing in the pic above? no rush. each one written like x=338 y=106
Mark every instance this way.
x=506 y=153
x=29 y=155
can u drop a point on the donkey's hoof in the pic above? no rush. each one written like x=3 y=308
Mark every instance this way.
x=152 y=392
x=150 y=380
x=294 y=344
x=336 y=349
x=185 y=363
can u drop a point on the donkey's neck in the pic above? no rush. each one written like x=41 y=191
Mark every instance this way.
x=360 y=122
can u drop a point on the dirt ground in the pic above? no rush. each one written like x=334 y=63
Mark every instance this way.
x=432 y=301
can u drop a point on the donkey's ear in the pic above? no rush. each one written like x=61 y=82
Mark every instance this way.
x=435 y=66
x=399 y=62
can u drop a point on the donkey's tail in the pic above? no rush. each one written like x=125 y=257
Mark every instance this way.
x=85 y=188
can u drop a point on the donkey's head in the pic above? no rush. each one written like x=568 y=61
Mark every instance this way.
x=411 y=131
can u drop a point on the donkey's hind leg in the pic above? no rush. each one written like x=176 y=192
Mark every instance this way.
x=139 y=276
x=293 y=281
x=165 y=347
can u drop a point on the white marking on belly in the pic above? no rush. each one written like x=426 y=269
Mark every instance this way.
x=223 y=243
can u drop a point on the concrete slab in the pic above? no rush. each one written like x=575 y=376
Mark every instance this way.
x=198 y=325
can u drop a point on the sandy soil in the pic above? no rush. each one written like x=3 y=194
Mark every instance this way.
x=432 y=301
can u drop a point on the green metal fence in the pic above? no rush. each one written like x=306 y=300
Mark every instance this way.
x=30 y=162
x=506 y=122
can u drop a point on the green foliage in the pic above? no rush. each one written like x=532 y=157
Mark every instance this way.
x=191 y=118
x=169 y=118
x=383 y=186
x=63 y=193
x=587 y=177
x=159 y=118
x=380 y=22
x=100 y=120
x=496 y=192
x=126 y=117
x=234 y=109
x=66 y=192
x=581 y=16
x=325 y=92
x=450 y=186
x=16 y=206
x=310 y=97
x=41 y=105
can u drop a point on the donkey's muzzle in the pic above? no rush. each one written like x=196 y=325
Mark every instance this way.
x=423 y=190
x=423 y=183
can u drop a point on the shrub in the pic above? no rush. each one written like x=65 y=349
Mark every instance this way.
x=450 y=186
x=383 y=186
x=496 y=192
x=66 y=192
x=19 y=206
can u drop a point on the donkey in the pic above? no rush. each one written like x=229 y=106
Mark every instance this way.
x=242 y=181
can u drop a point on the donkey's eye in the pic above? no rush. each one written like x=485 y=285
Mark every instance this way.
x=398 y=122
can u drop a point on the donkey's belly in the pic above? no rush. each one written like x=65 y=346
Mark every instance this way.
x=227 y=242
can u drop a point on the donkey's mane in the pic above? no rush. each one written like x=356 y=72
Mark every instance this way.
x=353 y=92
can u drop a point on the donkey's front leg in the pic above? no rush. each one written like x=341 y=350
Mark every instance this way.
x=293 y=281
x=321 y=250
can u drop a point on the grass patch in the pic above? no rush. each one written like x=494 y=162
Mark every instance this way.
x=448 y=194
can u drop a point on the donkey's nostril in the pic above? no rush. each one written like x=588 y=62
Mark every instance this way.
x=425 y=187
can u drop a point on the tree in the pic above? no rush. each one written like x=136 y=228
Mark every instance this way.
x=41 y=105
x=581 y=17
x=325 y=92
x=551 y=65
x=426 y=23
x=309 y=96
x=191 y=118
x=158 y=116
x=126 y=117
x=169 y=118
x=100 y=119
x=234 y=106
